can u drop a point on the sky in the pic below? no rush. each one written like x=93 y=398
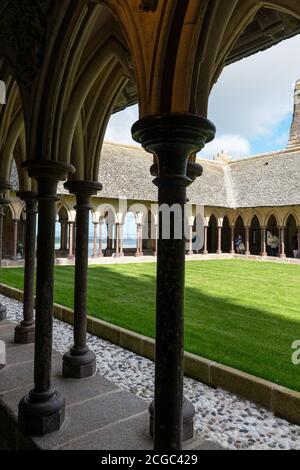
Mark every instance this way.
x=251 y=105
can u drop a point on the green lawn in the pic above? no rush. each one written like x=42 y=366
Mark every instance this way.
x=243 y=314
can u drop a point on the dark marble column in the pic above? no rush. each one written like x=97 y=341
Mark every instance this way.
x=80 y=362
x=25 y=331
x=42 y=411
x=3 y=202
x=172 y=138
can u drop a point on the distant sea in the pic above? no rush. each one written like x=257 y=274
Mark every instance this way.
x=129 y=243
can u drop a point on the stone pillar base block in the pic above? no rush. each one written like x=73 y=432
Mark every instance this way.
x=119 y=255
x=3 y=312
x=79 y=366
x=43 y=417
x=24 y=334
x=139 y=255
x=188 y=415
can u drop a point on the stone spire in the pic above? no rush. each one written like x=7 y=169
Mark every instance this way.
x=294 y=140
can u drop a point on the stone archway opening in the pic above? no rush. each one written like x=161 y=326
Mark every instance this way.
x=255 y=236
x=273 y=232
x=212 y=235
x=239 y=231
x=291 y=238
x=226 y=236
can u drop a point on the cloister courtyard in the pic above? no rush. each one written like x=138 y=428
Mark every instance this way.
x=149 y=225
x=239 y=313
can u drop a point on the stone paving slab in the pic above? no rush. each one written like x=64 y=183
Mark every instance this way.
x=99 y=415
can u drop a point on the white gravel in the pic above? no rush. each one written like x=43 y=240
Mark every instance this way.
x=220 y=416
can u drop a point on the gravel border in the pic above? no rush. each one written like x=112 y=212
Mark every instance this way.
x=221 y=417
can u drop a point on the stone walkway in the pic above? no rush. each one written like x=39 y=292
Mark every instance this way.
x=221 y=417
x=152 y=259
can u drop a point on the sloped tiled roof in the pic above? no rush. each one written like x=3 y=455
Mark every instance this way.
x=265 y=180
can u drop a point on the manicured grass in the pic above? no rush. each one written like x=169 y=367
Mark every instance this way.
x=240 y=313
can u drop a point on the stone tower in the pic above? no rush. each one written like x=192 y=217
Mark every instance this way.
x=294 y=140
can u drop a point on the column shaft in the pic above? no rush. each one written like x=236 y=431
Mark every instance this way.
x=95 y=254
x=219 y=250
x=247 y=233
x=190 y=252
x=232 y=251
x=80 y=362
x=173 y=138
x=24 y=333
x=282 y=242
x=71 y=240
x=263 y=242
x=15 y=238
x=100 y=254
x=42 y=411
x=205 y=247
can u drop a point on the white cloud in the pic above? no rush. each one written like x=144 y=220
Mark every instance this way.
x=251 y=98
x=119 y=128
x=235 y=145
x=255 y=94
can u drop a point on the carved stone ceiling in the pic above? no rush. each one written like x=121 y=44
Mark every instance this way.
x=268 y=29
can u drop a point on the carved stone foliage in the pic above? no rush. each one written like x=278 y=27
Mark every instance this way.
x=149 y=5
x=23 y=25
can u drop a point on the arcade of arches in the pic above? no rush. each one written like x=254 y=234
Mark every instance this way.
x=67 y=66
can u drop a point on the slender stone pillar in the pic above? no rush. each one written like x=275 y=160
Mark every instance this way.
x=205 y=250
x=263 y=242
x=232 y=250
x=95 y=254
x=25 y=331
x=190 y=252
x=156 y=240
x=173 y=138
x=42 y=411
x=100 y=254
x=139 y=248
x=3 y=202
x=247 y=233
x=119 y=240
x=64 y=236
x=71 y=240
x=298 y=235
x=219 y=250
x=282 y=242
x=15 y=239
x=80 y=362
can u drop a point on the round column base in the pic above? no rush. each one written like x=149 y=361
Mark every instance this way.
x=188 y=415
x=79 y=366
x=139 y=255
x=119 y=255
x=3 y=312
x=40 y=415
x=24 y=334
